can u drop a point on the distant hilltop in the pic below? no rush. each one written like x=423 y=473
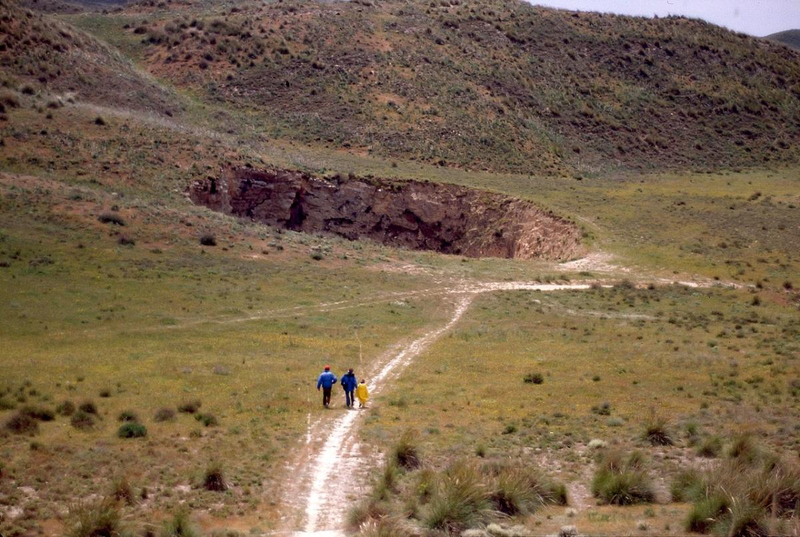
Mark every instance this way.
x=790 y=38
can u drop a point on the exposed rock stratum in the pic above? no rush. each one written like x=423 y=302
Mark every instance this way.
x=408 y=214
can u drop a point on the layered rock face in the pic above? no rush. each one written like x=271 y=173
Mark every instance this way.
x=407 y=214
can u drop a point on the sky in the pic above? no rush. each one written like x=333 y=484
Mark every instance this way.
x=754 y=17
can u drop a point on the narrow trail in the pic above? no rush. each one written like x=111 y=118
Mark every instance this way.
x=332 y=450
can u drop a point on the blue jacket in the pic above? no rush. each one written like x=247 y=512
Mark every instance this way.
x=326 y=380
x=349 y=382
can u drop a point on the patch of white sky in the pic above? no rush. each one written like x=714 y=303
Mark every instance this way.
x=754 y=17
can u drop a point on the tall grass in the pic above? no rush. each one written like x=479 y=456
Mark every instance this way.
x=751 y=493
x=621 y=479
x=461 y=501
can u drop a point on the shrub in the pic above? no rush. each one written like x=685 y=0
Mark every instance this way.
x=214 y=479
x=9 y=98
x=66 y=408
x=105 y=393
x=121 y=490
x=519 y=490
x=208 y=420
x=164 y=414
x=710 y=447
x=82 y=420
x=603 y=409
x=38 y=413
x=621 y=480
x=7 y=404
x=460 y=501
x=128 y=415
x=657 y=431
x=179 y=526
x=111 y=218
x=744 y=450
x=208 y=239
x=88 y=406
x=706 y=512
x=533 y=378
x=687 y=486
x=124 y=240
x=406 y=451
x=99 y=121
x=132 y=430
x=21 y=423
x=95 y=519
x=190 y=407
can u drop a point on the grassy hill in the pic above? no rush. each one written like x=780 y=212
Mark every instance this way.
x=790 y=38
x=498 y=85
x=156 y=351
x=38 y=52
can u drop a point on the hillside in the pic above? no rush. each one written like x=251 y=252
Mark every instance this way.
x=790 y=38
x=498 y=85
x=40 y=53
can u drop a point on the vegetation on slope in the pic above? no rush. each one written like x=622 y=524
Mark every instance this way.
x=498 y=85
x=39 y=53
x=790 y=38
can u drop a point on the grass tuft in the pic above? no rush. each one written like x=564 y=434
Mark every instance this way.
x=22 y=423
x=406 y=451
x=82 y=420
x=179 y=525
x=461 y=501
x=100 y=518
x=621 y=480
x=214 y=478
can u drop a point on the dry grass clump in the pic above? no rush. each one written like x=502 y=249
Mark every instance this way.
x=406 y=451
x=22 y=423
x=461 y=500
x=214 y=478
x=190 y=407
x=94 y=519
x=657 y=431
x=621 y=479
x=164 y=414
x=179 y=526
x=409 y=499
x=751 y=493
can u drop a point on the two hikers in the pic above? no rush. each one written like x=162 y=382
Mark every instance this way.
x=352 y=388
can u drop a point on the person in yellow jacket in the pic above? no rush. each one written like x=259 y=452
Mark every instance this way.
x=362 y=392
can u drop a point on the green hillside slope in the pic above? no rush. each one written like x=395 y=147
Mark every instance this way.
x=789 y=38
x=497 y=85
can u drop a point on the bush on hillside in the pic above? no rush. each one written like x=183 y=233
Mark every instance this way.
x=111 y=218
x=66 y=408
x=190 y=407
x=164 y=414
x=21 y=423
x=132 y=430
x=82 y=420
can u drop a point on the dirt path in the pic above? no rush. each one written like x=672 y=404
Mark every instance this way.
x=332 y=450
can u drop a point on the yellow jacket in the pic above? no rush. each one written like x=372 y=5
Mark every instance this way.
x=362 y=392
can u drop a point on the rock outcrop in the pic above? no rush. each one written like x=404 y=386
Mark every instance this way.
x=408 y=214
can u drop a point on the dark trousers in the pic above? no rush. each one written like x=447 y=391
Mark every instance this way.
x=349 y=397
x=326 y=396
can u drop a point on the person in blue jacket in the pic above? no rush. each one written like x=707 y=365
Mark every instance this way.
x=349 y=384
x=326 y=381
